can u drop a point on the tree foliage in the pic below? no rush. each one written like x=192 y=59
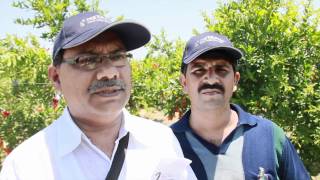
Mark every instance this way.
x=25 y=92
x=49 y=15
x=155 y=78
x=280 y=72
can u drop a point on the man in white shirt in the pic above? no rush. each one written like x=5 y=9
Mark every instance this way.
x=96 y=138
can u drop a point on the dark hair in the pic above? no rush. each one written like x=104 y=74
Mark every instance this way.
x=58 y=59
x=216 y=54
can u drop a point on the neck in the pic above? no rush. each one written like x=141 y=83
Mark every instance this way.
x=103 y=136
x=213 y=125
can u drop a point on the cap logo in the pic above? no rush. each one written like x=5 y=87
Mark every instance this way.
x=209 y=39
x=92 y=19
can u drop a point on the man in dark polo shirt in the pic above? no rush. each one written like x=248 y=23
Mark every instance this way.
x=222 y=140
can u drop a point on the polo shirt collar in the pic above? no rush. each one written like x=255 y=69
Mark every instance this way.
x=244 y=119
x=183 y=124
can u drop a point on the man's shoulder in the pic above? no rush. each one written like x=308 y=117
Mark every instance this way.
x=32 y=145
x=176 y=124
x=33 y=152
x=146 y=125
x=31 y=155
x=261 y=120
x=269 y=130
x=149 y=132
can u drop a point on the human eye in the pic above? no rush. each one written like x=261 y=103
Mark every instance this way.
x=119 y=59
x=222 y=70
x=87 y=62
x=116 y=56
x=198 y=71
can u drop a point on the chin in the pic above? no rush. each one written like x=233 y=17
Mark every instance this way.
x=108 y=110
x=211 y=105
x=102 y=116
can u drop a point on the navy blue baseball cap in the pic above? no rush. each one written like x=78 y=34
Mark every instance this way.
x=209 y=41
x=83 y=27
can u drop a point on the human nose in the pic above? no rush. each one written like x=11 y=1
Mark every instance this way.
x=210 y=76
x=107 y=71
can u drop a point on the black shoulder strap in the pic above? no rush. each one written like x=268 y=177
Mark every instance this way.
x=118 y=159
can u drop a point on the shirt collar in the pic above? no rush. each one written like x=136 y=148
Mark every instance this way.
x=70 y=135
x=123 y=128
x=133 y=126
x=137 y=128
x=244 y=119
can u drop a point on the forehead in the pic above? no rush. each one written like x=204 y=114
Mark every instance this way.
x=209 y=61
x=105 y=43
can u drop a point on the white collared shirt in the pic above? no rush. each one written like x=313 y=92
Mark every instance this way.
x=63 y=152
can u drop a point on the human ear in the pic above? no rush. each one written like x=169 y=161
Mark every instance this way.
x=54 y=76
x=183 y=83
x=236 y=81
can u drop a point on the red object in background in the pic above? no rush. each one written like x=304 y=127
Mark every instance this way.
x=55 y=103
x=1 y=144
x=7 y=151
x=4 y=148
x=5 y=113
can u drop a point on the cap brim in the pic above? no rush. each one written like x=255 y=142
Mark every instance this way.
x=132 y=34
x=234 y=53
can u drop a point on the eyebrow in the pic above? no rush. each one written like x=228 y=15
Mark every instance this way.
x=92 y=51
x=197 y=65
x=200 y=65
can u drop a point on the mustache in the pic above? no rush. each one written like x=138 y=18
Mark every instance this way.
x=96 y=85
x=211 y=86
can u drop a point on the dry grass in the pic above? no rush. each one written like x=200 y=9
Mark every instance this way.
x=316 y=177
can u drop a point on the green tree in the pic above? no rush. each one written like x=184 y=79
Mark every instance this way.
x=155 y=78
x=280 y=72
x=49 y=15
x=25 y=92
